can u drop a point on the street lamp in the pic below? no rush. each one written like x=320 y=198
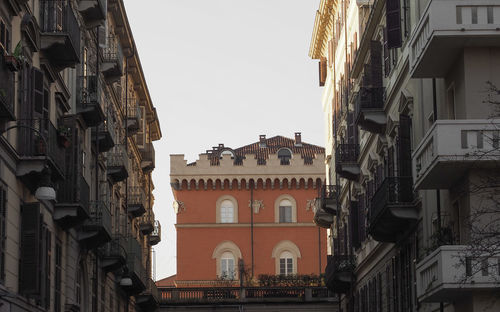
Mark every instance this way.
x=45 y=190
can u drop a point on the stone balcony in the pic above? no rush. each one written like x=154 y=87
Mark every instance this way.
x=451 y=147
x=449 y=273
x=446 y=28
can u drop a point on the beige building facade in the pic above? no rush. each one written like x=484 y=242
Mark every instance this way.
x=411 y=108
x=76 y=157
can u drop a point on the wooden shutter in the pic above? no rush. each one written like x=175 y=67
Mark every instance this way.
x=3 y=213
x=30 y=249
x=393 y=22
x=376 y=64
x=387 y=55
x=404 y=146
x=322 y=71
x=330 y=53
x=354 y=224
x=140 y=137
x=390 y=161
x=37 y=91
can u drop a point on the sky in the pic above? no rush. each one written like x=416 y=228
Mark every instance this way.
x=223 y=71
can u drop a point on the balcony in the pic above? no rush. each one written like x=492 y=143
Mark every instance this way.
x=96 y=231
x=322 y=218
x=106 y=133
x=112 y=64
x=149 y=299
x=73 y=196
x=327 y=202
x=136 y=201
x=133 y=116
x=346 y=161
x=89 y=101
x=38 y=145
x=392 y=211
x=155 y=236
x=369 y=109
x=451 y=147
x=147 y=223
x=148 y=158
x=117 y=164
x=450 y=273
x=114 y=254
x=446 y=28
x=134 y=268
x=93 y=11
x=340 y=273
x=6 y=92
x=60 y=34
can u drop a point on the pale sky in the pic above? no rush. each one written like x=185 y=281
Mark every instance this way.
x=223 y=71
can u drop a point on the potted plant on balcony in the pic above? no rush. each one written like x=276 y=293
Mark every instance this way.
x=63 y=134
x=13 y=61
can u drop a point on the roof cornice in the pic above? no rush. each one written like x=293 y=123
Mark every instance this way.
x=322 y=22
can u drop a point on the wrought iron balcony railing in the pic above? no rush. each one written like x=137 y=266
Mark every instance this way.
x=155 y=236
x=136 y=201
x=89 y=101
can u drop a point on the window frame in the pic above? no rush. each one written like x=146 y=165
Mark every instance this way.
x=222 y=248
x=277 y=205
x=218 y=210
x=282 y=247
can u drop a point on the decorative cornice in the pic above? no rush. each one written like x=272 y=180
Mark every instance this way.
x=322 y=23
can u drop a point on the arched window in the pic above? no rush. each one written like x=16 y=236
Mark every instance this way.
x=227 y=152
x=286 y=255
x=226 y=209
x=286 y=263
x=284 y=156
x=285 y=211
x=227 y=268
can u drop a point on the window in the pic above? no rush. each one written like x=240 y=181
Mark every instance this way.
x=226 y=211
x=286 y=254
x=285 y=211
x=284 y=156
x=227 y=266
x=286 y=263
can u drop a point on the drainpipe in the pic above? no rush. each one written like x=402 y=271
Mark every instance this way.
x=438 y=194
x=251 y=223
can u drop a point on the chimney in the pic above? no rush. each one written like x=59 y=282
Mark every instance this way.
x=298 y=139
x=262 y=140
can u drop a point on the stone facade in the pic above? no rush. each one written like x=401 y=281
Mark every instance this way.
x=75 y=116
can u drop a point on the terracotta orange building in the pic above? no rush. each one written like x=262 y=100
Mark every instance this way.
x=250 y=206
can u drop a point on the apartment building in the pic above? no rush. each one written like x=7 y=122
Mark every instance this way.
x=411 y=99
x=77 y=125
x=248 y=208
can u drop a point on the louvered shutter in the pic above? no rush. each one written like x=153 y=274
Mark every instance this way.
x=30 y=249
x=330 y=53
x=390 y=161
x=376 y=64
x=404 y=146
x=362 y=218
x=37 y=76
x=3 y=213
x=354 y=224
x=393 y=22
x=322 y=72
x=387 y=56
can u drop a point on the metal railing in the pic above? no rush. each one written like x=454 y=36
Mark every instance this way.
x=89 y=91
x=343 y=263
x=392 y=191
x=74 y=189
x=152 y=289
x=116 y=247
x=368 y=98
x=109 y=124
x=148 y=153
x=136 y=196
x=156 y=229
x=100 y=215
x=347 y=153
x=56 y=16
x=30 y=143
x=113 y=52
x=117 y=157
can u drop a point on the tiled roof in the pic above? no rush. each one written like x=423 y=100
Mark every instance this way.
x=167 y=281
x=261 y=152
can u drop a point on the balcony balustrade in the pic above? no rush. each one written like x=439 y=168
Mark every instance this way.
x=446 y=28
x=89 y=100
x=6 y=91
x=60 y=34
x=149 y=299
x=133 y=116
x=38 y=149
x=148 y=158
x=73 y=196
x=93 y=11
x=369 y=109
x=322 y=218
x=147 y=223
x=112 y=55
x=451 y=272
x=137 y=202
x=117 y=163
x=96 y=231
x=155 y=236
x=135 y=269
x=114 y=254
x=327 y=201
x=346 y=161
x=451 y=147
x=393 y=210
x=106 y=133
x=340 y=273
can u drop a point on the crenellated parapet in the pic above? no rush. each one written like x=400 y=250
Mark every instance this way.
x=247 y=173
